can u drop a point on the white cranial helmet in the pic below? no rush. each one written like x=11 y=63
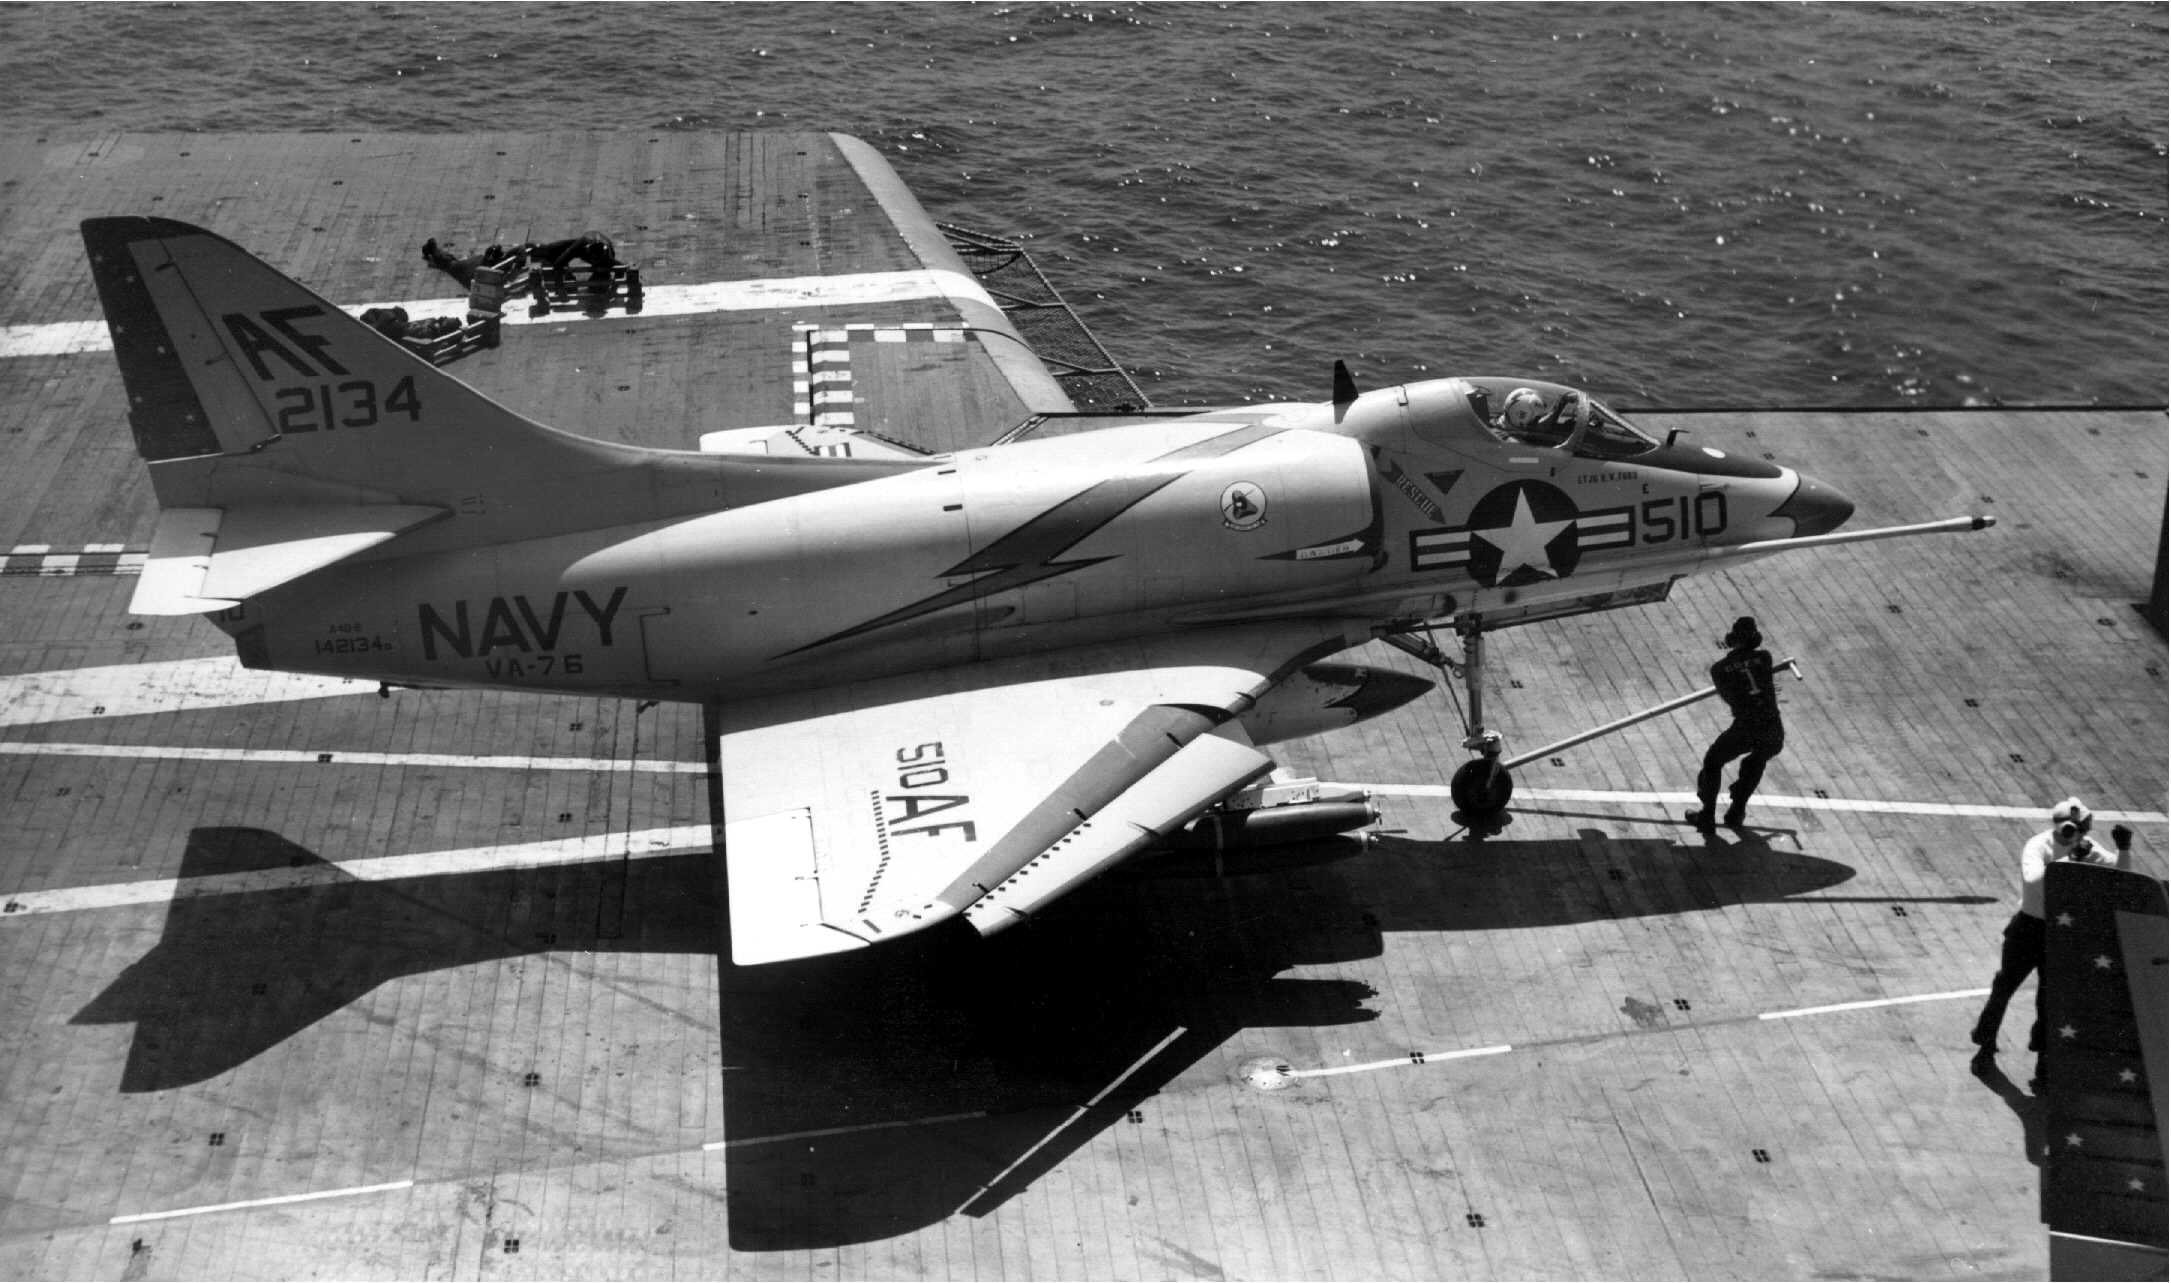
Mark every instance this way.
x=1524 y=408
x=2073 y=812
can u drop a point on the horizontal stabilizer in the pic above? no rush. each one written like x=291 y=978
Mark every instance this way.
x=173 y=574
x=260 y=548
x=820 y=441
x=205 y=559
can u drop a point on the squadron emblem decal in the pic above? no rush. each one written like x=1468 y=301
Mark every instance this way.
x=1243 y=506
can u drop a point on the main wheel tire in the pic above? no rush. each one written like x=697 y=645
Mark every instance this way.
x=1482 y=787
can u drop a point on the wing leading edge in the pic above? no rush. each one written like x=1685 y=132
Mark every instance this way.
x=871 y=810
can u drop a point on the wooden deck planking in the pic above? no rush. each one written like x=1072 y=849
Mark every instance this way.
x=1589 y=1154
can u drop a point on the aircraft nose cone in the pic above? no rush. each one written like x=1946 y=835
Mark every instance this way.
x=1816 y=508
x=1377 y=690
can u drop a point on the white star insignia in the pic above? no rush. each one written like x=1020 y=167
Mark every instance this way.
x=1522 y=543
x=2103 y=962
x=2134 y=1183
x=2065 y=919
x=2127 y=1075
x=2068 y=1031
x=2073 y=1140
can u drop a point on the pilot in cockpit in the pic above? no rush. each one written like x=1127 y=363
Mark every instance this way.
x=1522 y=413
x=1551 y=417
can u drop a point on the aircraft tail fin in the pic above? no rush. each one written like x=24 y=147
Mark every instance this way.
x=229 y=359
x=284 y=436
x=226 y=358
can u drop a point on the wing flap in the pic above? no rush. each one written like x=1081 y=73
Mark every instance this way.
x=1199 y=774
x=925 y=792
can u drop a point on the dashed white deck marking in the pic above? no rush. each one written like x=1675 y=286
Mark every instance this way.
x=1412 y=1060
x=1420 y=1059
x=1075 y=1115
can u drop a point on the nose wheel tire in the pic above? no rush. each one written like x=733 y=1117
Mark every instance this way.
x=1482 y=786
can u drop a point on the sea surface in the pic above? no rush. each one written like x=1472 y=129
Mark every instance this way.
x=1671 y=205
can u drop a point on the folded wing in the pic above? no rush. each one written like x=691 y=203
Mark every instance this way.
x=870 y=810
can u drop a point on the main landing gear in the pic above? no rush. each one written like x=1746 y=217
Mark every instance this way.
x=1483 y=785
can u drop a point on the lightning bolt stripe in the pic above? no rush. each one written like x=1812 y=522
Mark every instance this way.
x=1027 y=554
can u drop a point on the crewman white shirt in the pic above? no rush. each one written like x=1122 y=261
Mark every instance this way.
x=2040 y=852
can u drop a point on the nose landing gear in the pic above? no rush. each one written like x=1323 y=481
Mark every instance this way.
x=1483 y=785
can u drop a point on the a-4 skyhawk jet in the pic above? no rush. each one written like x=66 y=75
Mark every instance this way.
x=960 y=684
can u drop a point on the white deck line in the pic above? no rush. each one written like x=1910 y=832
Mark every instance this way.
x=158 y=686
x=661 y=841
x=517 y=762
x=208 y=1208
x=345 y=757
x=65 y=338
x=1401 y=1062
x=1768 y=800
x=1874 y=1002
x=844 y=1131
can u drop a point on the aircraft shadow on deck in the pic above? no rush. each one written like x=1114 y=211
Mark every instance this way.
x=1020 y=1048
x=234 y=975
x=1006 y=1038
x=1506 y=885
x=870 y=1094
x=1026 y=1032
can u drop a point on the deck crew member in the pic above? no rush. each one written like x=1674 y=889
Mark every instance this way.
x=593 y=248
x=392 y=322
x=2066 y=839
x=463 y=269
x=1744 y=678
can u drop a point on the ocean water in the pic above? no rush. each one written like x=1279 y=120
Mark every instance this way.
x=1671 y=205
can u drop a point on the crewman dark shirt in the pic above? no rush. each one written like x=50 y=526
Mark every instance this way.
x=1744 y=679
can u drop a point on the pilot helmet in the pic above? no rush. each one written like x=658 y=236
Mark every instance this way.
x=1523 y=409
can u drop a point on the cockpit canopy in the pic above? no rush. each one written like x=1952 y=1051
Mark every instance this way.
x=1539 y=414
